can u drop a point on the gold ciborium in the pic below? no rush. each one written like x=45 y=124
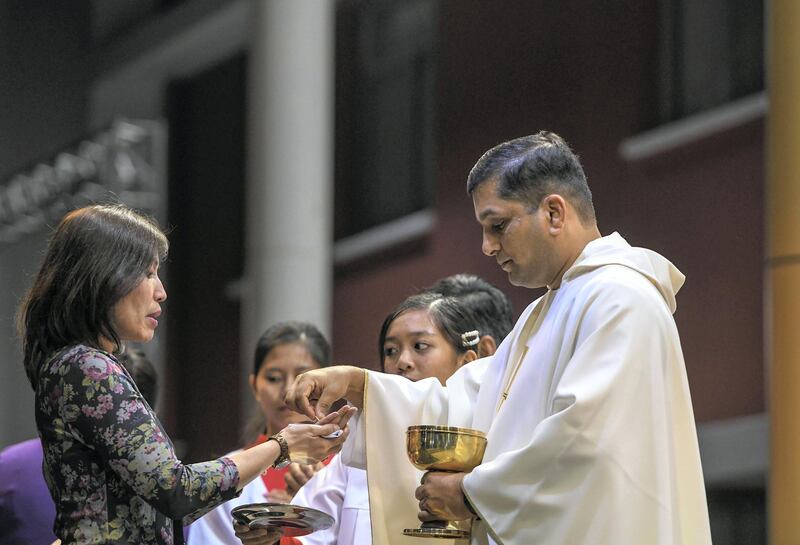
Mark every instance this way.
x=444 y=448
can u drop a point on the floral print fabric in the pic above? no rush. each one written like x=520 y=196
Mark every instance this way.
x=108 y=462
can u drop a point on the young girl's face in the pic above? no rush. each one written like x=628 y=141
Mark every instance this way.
x=414 y=348
x=276 y=374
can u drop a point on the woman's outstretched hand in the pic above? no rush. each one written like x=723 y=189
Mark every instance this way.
x=314 y=392
x=312 y=443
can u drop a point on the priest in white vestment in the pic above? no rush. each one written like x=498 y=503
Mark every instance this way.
x=586 y=405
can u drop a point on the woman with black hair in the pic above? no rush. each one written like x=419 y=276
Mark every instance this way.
x=109 y=464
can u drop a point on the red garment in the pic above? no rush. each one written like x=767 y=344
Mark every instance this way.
x=275 y=479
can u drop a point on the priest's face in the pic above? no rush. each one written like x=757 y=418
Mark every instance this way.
x=415 y=349
x=516 y=236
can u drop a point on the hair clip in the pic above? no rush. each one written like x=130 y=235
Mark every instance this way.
x=470 y=338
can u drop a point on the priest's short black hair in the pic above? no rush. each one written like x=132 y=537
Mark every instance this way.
x=529 y=168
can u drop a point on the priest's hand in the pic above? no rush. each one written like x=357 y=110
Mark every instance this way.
x=314 y=392
x=441 y=497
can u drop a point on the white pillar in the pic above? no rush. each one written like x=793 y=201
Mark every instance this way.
x=289 y=228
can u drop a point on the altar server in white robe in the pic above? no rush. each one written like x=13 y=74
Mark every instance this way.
x=586 y=405
x=414 y=341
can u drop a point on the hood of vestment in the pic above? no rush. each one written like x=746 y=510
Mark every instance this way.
x=614 y=250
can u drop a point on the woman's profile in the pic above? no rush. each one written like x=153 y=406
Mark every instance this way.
x=108 y=462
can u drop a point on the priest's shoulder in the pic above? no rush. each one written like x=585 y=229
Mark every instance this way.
x=622 y=285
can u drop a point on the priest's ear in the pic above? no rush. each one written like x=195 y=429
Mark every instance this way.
x=486 y=346
x=555 y=209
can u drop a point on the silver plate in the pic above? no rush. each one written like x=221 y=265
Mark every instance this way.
x=292 y=520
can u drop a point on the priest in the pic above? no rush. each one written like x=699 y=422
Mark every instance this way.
x=586 y=404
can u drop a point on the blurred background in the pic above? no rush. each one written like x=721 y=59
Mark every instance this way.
x=309 y=158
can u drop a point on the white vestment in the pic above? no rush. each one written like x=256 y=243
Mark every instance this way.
x=340 y=491
x=596 y=442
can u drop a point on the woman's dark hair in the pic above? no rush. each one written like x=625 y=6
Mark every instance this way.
x=97 y=255
x=293 y=332
x=450 y=316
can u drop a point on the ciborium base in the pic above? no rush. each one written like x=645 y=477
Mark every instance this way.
x=441 y=533
x=439 y=529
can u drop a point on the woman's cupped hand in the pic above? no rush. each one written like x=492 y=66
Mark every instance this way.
x=310 y=443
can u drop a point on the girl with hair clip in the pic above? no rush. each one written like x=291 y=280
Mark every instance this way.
x=427 y=336
x=108 y=462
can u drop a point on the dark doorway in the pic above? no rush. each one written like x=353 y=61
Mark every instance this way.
x=205 y=203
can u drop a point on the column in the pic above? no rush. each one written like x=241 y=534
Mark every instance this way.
x=288 y=264
x=782 y=275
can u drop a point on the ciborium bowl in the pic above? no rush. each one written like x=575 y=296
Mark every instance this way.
x=444 y=448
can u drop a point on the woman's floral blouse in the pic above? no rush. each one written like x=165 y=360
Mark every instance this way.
x=108 y=462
